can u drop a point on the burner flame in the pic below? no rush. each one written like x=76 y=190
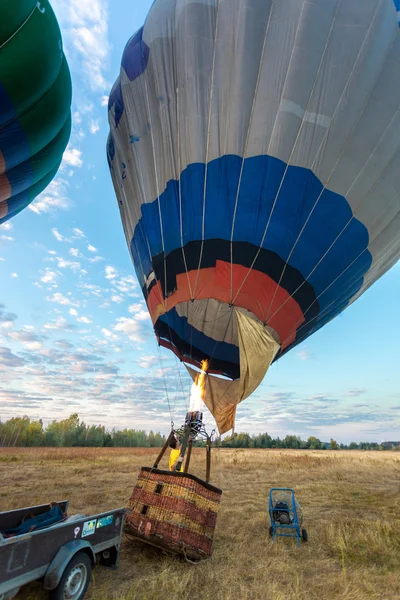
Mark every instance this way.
x=198 y=388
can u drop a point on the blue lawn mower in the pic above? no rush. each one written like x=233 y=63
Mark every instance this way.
x=285 y=515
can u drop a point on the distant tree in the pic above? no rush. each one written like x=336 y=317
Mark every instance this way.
x=313 y=443
x=262 y=440
x=292 y=441
x=353 y=446
x=333 y=445
x=34 y=435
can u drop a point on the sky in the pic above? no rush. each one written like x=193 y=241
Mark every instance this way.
x=75 y=335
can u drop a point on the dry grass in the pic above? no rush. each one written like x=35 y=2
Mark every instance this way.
x=351 y=502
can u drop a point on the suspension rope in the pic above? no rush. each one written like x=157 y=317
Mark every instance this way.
x=207 y=147
x=249 y=124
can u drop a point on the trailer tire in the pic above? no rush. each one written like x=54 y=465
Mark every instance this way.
x=75 y=579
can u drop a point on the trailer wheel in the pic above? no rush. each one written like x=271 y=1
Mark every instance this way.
x=304 y=535
x=75 y=579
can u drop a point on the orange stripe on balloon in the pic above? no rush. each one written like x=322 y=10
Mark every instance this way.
x=3 y=209
x=255 y=295
x=2 y=163
x=5 y=188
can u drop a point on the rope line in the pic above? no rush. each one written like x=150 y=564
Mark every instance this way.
x=207 y=147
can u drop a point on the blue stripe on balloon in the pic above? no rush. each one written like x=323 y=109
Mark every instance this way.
x=21 y=178
x=117 y=101
x=14 y=144
x=397 y=7
x=136 y=56
x=261 y=178
x=207 y=345
x=7 y=109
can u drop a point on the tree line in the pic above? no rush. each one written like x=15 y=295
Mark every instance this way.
x=25 y=432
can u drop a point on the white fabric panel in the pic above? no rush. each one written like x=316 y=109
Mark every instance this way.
x=212 y=317
x=215 y=319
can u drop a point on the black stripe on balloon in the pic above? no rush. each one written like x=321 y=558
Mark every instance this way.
x=243 y=254
x=186 y=350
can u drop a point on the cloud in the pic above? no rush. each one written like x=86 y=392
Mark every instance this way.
x=58 y=324
x=6 y=319
x=6 y=226
x=8 y=359
x=85 y=30
x=104 y=100
x=49 y=276
x=116 y=298
x=91 y=248
x=111 y=273
x=130 y=327
x=55 y=196
x=64 y=344
x=109 y=334
x=96 y=259
x=27 y=337
x=140 y=314
x=324 y=398
x=94 y=126
x=67 y=264
x=304 y=354
x=75 y=252
x=135 y=308
x=80 y=319
x=57 y=235
x=126 y=285
x=72 y=157
x=15 y=275
x=83 y=320
x=7 y=238
x=78 y=233
x=354 y=393
x=58 y=298
x=147 y=362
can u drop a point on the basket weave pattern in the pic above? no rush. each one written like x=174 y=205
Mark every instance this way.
x=176 y=510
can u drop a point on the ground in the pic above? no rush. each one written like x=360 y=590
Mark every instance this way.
x=351 y=502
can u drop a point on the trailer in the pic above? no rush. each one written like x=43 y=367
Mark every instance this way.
x=60 y=555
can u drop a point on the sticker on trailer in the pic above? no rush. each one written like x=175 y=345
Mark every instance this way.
x=89 y=527
x=104 y=521
x=76 y=531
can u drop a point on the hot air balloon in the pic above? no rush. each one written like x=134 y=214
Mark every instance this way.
x=254 y=151
x=35 y=102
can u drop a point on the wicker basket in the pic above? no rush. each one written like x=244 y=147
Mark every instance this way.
x=175 y=511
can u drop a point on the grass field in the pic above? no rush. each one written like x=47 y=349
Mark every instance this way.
x=351 y=502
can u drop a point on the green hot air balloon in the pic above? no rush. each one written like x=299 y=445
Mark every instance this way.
x=35 y=102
